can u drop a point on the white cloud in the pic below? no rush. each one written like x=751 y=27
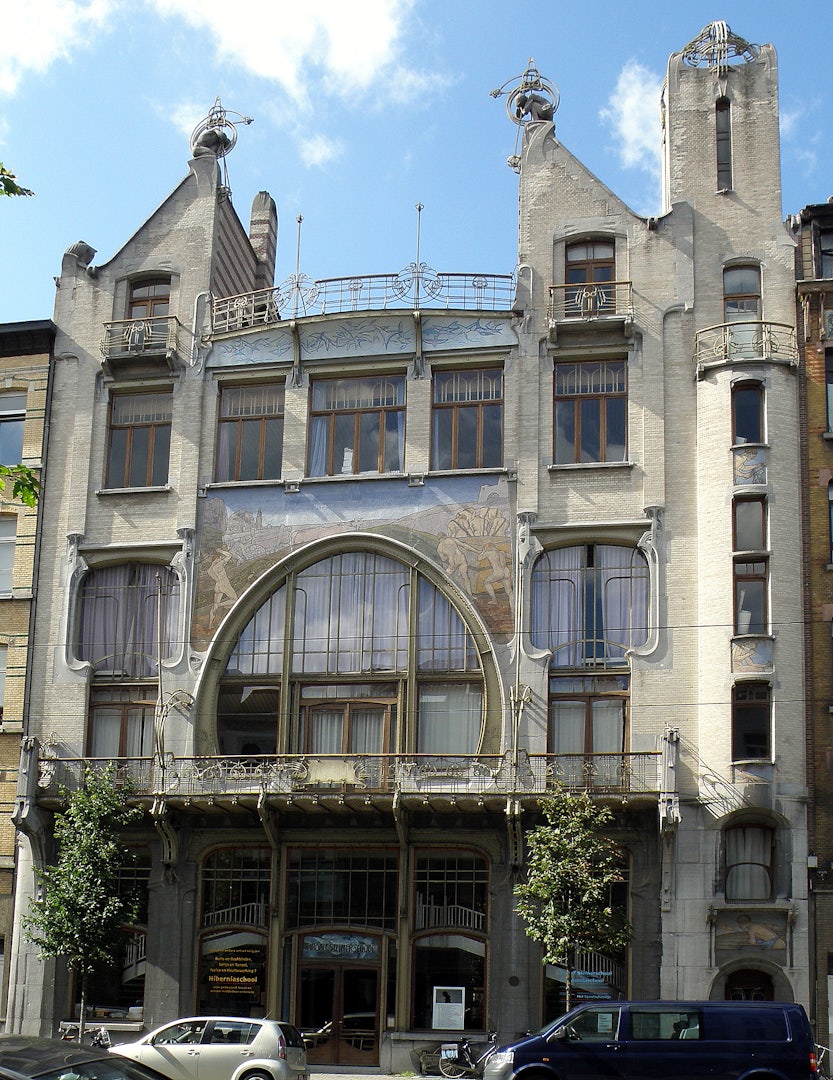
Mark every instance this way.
x=318 y=150
x=312 y=50
x=36 y=33
x=633 y=113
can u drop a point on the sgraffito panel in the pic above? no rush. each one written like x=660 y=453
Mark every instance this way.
x=461 y=524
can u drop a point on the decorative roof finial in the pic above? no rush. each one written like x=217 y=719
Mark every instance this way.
x=716 y=45
x=216 y=134
x=529 y=98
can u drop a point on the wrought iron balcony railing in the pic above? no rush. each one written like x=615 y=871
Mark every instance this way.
x=128 y=338
x=739 y=341
x=593 y=300
x=292 y=774
x=415 y=287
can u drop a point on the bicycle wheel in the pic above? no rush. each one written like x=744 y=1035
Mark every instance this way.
x=452 y=1068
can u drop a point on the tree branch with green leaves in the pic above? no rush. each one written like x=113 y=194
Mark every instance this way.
x=571 y=866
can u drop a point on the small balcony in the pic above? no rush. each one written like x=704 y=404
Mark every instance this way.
x=739 y=342
x=132 y=346
x=590 y=302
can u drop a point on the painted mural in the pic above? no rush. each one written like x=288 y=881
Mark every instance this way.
x=461 y=524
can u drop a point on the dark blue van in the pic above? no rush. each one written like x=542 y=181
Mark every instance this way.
x=665 y=1040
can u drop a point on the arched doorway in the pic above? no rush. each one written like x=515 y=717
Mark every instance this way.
x=747 y=984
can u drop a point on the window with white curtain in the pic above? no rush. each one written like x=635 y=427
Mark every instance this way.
x=367 y=632
x=357 y=425
x=749 y=851
x=128 y=616
x=590 y=604
x=121 y=722
x=587 y=729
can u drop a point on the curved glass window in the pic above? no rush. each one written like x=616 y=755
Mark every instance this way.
x=342 y=638
x=590 y=604
x=129 y=614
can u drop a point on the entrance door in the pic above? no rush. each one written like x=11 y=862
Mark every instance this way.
x=339 y=1014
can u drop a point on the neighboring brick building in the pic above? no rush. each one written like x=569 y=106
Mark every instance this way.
x=813 y=229
x=25 y=355
x=348 y=574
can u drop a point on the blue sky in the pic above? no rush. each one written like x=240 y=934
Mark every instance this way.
x=362 y=109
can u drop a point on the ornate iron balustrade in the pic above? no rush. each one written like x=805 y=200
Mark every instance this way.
x=741 y=341
x=415 y=287
x=498 y=774
x=138 y=337
x=593 y=300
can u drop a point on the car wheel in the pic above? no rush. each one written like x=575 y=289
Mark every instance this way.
x=259 y=1074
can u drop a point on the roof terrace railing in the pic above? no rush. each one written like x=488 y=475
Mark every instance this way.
x=414 y=288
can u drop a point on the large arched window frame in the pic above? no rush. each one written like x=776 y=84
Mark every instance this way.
x=355 y=653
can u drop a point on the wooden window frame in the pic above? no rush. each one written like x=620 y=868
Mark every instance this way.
x=723 y=143
x=588 y=268
x=747 y=697
x=234 y=427
x=446 y=435
x=156 y=427
x=747 y=388
x=382 y=409
x=578 y=397
x=746 y=502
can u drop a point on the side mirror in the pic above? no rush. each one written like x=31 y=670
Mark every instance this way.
x=560 y=1033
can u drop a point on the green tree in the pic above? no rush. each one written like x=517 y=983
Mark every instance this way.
x=9 y=184
x=25 y=484
x=570 y=868
x=79 y=910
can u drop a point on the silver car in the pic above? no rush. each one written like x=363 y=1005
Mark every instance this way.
x=222 y=1048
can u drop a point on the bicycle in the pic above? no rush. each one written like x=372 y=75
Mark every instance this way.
x=463 y=1064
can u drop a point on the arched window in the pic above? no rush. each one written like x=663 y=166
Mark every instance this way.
x=723 y=133
x=366 y=633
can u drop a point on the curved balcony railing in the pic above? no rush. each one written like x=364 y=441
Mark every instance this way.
x=291 y=774
x=591 y=300
x=739 y=341
x=140 y=337
x=414 y=288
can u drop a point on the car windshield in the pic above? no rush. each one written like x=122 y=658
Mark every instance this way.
x=103 y=1069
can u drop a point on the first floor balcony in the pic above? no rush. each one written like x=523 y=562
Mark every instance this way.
x=365 y=780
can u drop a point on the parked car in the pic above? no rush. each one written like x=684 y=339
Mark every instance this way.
x=654 y=1040
x=221 y=1048
x=24 y=1056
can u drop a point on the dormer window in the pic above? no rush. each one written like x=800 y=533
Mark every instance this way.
x=590 y=266
x=148 y=306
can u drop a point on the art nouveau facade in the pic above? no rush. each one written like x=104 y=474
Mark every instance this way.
x=347 y=576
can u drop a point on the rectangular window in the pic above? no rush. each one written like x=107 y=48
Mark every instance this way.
x=148 y=306
x=751 y=616
x=667 y=1023
x=451 y=890
x=8 y=534
x=590 y=268
x=250 y=432
x=826 y=252
x=749 y=525
x=467 y=421
x=723 y=132
x=591 y=405
x=12 y=414
x=357 y=426
x=749 y=852
x=140 y=440
x=352 y=886
x=121 y=722
x=828 y=381
x=751 y=709
x=450 y=718
x=748 y=413
x=587 y=729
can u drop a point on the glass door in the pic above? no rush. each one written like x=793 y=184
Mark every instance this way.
x=339 y=1014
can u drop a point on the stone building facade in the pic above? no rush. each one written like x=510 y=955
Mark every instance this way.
x=348 y=575
x=25 y=351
